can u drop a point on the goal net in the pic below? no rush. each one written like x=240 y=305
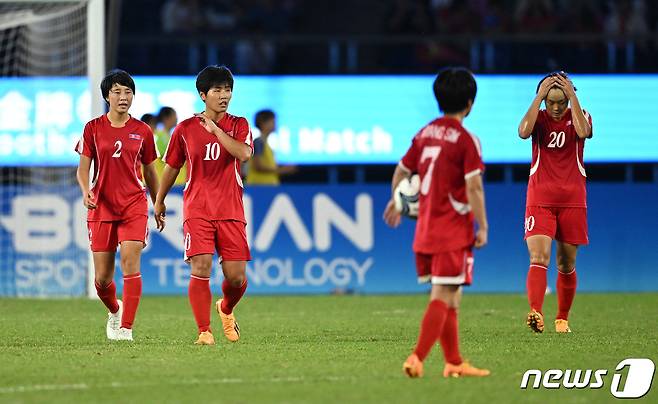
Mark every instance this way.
x=45 y=73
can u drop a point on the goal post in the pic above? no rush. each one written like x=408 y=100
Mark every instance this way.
x=48 y=40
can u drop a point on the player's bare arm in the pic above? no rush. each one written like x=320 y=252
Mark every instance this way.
x=88 y=197
x=151 y=179
x=391 y=215
x=580 y=122
x=530 y=117
x=237 y=149
x=169 y=175
x=475 y=195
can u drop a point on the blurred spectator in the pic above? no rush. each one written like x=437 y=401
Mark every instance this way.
x=182 y=16
x=151 y=120
x=627 y=18
x=262 y=168
x=167 y=120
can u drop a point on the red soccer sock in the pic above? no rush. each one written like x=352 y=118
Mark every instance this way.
x=232 y=295
x=536 y=286
x=132 y=291
x=450 y=338
x=566 y=291
x=200 y=300
x=108 y=295
x=430 y=328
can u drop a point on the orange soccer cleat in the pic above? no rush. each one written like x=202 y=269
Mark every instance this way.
x=562 y=326
x=413 y=367
x=205 y=338
x=535 y=321
x=465 y=369
x=230 y=326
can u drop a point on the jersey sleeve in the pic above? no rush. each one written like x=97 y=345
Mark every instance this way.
x=243 y=133
x=149 y=151
x=472 y=150
x=85 y=145
x=175 y=154
x=409 y=161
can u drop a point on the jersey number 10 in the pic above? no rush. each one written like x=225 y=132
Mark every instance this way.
x=212 y=151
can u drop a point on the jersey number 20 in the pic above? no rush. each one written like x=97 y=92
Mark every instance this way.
x=432 y=153
x=557 y=139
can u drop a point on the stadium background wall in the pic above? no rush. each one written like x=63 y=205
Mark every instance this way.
x=328 y=239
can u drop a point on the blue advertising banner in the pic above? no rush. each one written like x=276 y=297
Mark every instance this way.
x=335 y=119
x=325 y=239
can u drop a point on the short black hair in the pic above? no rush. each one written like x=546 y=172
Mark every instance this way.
x=149 y=119
x=454 y=87
x=116 y=76
x=165 y=112
x=551 y=74
x=263 y=116
x=213 y=76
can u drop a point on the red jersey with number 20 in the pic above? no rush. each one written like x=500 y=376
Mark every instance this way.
x=117 y=155
x=557 y=173
x=444 y=155
x=213 y=190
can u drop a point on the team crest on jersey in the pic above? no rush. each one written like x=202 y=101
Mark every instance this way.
x=135 y=136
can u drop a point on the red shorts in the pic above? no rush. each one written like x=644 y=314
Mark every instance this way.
x=568 y=225
x=447 y=268
x=106 y=236
x=227 y=237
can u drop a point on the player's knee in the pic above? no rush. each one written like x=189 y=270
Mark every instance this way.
x=566 y=265
x=103 y=280
x=540 y=258
x=129 y=265
x=236 y=280
x=201 y=266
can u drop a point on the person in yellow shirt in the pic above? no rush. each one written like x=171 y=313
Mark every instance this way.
x=167 y=120
x=262 y=168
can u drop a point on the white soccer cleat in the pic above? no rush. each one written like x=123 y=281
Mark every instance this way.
x=114 y=322
x=124 y=334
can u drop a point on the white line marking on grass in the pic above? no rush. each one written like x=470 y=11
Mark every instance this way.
x=120 y=385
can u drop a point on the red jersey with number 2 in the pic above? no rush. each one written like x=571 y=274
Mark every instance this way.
x=444 y=155
x=117 y=155
x=557 y=173
x=213 y=190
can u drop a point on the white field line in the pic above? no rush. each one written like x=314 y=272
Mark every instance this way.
x=119 y=385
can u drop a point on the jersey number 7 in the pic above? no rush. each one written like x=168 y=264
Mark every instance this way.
x=432 y=153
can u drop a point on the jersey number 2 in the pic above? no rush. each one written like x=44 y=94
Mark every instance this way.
x=432 y=153
x=117 y=152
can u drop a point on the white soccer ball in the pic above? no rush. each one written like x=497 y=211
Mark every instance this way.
x=406 y=196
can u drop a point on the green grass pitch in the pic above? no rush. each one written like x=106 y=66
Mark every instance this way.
x=345 y=349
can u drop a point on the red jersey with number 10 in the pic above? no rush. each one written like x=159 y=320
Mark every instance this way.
x=117 y=155
x=213 y=190
x=444 y=155
x=557 y=173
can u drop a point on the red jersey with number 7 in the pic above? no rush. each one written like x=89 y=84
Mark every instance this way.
x=213 y=190
x=557 y=172
x=444 y=155
x=117 y=155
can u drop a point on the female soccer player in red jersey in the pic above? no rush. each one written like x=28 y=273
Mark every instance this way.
x=213 y=144
x=119 y=146
x=448 y=160
x=556 y=204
